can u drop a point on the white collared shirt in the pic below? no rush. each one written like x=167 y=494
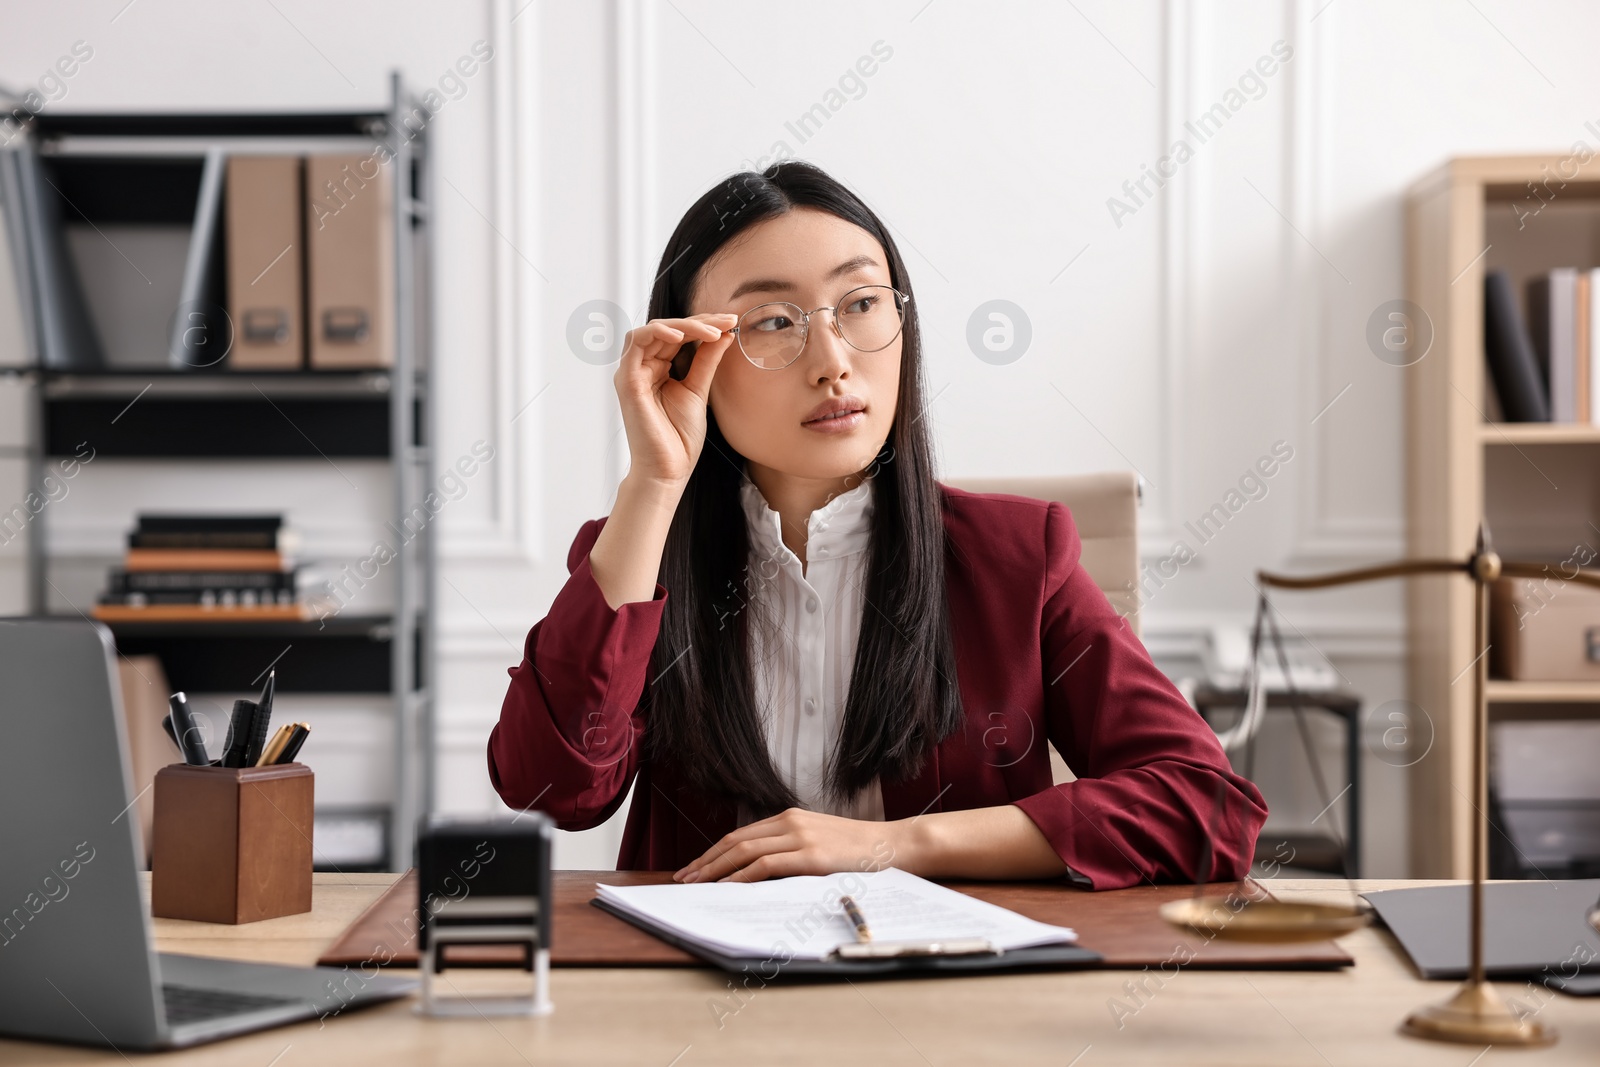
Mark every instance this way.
x=803 y=631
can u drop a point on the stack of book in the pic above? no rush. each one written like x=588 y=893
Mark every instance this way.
x=1546 y=365
x=185 y=568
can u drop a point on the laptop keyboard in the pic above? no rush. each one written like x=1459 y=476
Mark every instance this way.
x=190 y=1004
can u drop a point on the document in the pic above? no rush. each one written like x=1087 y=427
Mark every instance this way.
x=801 y=918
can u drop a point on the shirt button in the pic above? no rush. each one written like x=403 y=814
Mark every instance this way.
x=822 y=551
x=811 y=605
x=811 y=706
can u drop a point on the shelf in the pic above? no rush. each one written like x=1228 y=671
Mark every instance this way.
x=1501 y=691
x=218 y=377
x=204 y=616
x=1539 y=433
x=161 y=424
x=287 y=124
x=337 y=655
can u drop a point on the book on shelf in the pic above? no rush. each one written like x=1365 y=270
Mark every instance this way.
x=1563 y=329
x=204 y=567
x=126 y=581
x=205 y=559
x=212 y=531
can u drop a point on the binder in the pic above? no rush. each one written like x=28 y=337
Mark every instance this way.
x=200 y=335
x=266 y=251
x=67 y=340
x=1040 y=957
x=1513 y=361
x=16 y=294
x=350 y=261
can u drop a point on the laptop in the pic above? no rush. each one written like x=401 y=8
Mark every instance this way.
x=76 y=962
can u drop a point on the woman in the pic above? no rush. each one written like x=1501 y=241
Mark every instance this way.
x=804 y=653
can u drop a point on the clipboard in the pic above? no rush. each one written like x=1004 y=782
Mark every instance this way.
x=1038 y=958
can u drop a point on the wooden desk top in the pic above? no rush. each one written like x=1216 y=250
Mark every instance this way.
x=678 y=1017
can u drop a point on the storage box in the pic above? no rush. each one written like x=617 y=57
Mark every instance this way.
x=1554 y=838
x=232 y=844
x=1545 y=630
x=1545 y=760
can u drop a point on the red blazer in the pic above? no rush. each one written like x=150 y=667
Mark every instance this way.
x=1041 y=656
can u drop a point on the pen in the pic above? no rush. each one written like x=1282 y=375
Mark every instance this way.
x=186 y=733
x=853 y=910
x=166 y=724
x=260 y=722
x=292 y=749
x=264 y=702
x=239 y=726
x=276 y=745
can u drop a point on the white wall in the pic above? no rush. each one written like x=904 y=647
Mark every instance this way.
x=1226 y=313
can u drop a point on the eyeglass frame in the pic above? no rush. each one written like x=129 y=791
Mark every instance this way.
x=901 y=300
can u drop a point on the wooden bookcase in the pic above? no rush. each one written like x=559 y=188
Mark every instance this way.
x=1536 y=485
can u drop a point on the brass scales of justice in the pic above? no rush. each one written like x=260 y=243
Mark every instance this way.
x=1476 y=1013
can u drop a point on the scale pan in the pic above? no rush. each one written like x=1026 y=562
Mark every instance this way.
x=1265 y=920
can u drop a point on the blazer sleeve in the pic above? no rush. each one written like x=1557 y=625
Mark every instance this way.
x=1153 y=782
x=571 y=725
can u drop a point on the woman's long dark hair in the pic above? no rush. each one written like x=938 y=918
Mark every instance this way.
x=903 y=696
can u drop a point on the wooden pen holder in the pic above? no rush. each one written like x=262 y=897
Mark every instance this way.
x=232 y=844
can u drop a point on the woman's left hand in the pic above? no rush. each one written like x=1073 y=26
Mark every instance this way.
x=797 y=841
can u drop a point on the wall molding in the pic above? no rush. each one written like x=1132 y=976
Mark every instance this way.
x=634 y=146
x=1181 y=51
x=511 y=535
x=1321 y=534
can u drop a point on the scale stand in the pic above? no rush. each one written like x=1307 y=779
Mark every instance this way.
x=1477 y=1013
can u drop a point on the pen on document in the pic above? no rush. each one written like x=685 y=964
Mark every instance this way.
x=853 y=911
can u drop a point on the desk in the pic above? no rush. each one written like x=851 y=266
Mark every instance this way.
x=661 y=1017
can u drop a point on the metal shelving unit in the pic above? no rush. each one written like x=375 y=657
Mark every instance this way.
x=310 y=415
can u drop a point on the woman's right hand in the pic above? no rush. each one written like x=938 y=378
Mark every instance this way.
x=665 y=419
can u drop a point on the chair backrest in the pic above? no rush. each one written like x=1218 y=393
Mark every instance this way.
x=1105 y=508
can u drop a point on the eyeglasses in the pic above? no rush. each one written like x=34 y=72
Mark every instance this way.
x=867 y=318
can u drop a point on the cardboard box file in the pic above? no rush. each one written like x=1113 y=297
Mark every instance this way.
x=1545 y=631
x=350 y=261
x=265 y=256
